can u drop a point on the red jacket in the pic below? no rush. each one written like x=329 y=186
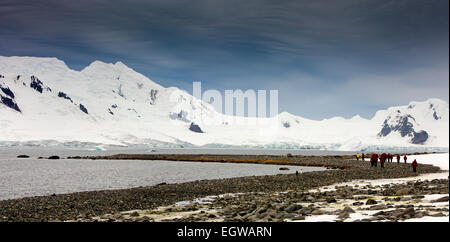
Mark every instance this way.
x=374 y=157
x=382 y=159
x=398 y=157
x=405 y=158
x=414 y=163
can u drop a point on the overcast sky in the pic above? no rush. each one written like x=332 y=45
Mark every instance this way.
x=327 y=58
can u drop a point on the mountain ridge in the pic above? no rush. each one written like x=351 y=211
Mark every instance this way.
x=111 y=103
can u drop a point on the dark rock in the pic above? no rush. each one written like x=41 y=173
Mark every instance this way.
x=371 y=202
x=406 y=212
x=63 y=95
x=297 y=218
x=7 y=91
x=348 y=210
x=153 y=94
x=36 y=84
x=317 y=212
x=23 y=156
x=284 y=169
x=440 y=214
x=435 y=116
x=134 y=214
x=10 y=103
x=419 y=137
x=195 y=128
x=378 y=207
x=293 y=208
x=344 y=215
x=54 y=157
x=403 y=192
x=439 y=200
x=83 y=109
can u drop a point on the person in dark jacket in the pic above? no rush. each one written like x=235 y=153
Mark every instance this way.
x=363 y=157
x=405 y=158
x=398 y=158
x=414 y=165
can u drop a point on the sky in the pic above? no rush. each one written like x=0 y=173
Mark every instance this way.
x=325 y=57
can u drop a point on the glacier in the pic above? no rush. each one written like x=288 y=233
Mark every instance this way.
x=45 y=103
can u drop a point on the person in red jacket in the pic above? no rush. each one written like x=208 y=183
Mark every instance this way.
x=363 y=157
x=382 y=160
x=414 y=165
x=373 y=160
x=398 y=158
x=383 y=156
x=405 y=158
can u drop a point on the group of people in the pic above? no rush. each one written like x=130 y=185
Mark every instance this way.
x=385 y=158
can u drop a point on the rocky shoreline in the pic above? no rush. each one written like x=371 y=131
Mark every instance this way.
x=366 y=203
x=87 y=205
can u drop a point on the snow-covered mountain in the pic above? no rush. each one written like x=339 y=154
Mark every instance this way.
x=42 y=101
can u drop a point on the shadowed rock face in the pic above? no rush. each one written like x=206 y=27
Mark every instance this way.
x=153 y=94
x=403 y=125
x=36 y=84
x=10 y=103
x=420 y=137
x=286 y=124
x=195 y=128
x=63 y=95
x=436 y=116
x=82 y=108
x=7 y=91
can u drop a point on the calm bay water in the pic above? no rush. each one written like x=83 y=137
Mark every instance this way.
x=35 y=177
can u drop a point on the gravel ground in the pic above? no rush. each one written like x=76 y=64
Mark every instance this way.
x=86 y=205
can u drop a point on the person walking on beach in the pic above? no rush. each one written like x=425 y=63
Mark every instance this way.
x=382 y=160
x=405 y=158
x=383 y=156
x=373 y=160
x=357 y=156
x=390 y=157
x=414 y=165
x=363 y=157
x=398 y=158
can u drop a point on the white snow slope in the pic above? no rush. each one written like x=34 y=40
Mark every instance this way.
x=43 y=101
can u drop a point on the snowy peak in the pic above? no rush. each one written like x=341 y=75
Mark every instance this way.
x=31 y=65
x=117 y=73
x=42 y=99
